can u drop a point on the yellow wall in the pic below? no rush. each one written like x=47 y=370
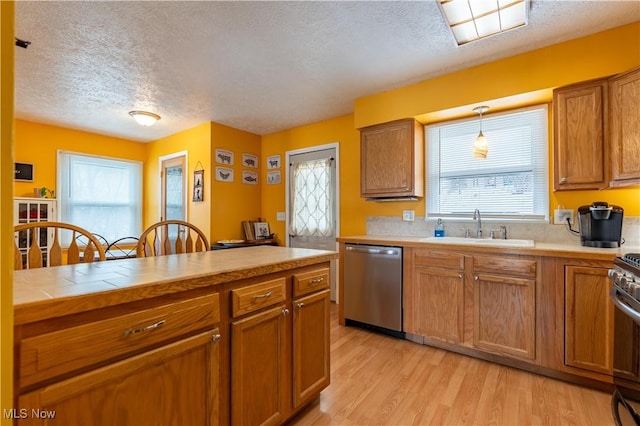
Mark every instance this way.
x=197 y=142
x=38 y=144
x=233 y=202
x=6 y=207
x=512 y=82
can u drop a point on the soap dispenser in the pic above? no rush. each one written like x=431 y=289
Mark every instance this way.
x=439 y=228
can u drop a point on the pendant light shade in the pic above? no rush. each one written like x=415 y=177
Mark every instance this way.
x=480 y=146
x=144 y=118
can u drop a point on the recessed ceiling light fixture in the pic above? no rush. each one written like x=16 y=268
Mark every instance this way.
x=144 y=118
x=480 y=146
x=472 y=20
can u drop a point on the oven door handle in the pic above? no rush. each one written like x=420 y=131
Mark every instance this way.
x=616 y=295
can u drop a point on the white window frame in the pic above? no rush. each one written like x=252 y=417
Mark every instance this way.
x=540 y=167
x=66 y=203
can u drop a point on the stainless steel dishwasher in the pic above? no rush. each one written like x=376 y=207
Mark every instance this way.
x=373 y=288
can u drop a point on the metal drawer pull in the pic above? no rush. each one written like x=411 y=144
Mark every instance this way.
x=459 y=275
x=300 y=305
x=285 y=312
x=476 y=278
x=262 y=296
x=216 y=338
x=316 y=281
x=143 y=329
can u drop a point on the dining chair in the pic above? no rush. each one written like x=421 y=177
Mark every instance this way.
x=34 y=248
x=122 y=248
x=171 y=237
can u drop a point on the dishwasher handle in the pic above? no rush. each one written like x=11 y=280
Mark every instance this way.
x=390 y=251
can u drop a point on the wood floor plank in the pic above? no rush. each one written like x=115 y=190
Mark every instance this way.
x=381 y=380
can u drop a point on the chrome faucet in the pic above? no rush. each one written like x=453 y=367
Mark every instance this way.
x=476 y=216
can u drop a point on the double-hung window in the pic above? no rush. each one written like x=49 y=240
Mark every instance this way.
x=511 y=183
x=100 y=194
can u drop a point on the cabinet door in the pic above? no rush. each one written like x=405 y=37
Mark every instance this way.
x=504 y=314
x=391 y=160
x=624 y=93
x=438 y=303
x=176 y=384
x=258 y=374
x=588 y=319
x=580 y=146
x=311 y=325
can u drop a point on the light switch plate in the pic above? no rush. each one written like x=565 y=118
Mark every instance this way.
x=560 y=216
x=281 y=216
x=408 y=215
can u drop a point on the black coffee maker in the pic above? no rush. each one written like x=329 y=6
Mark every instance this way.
x=600 y=225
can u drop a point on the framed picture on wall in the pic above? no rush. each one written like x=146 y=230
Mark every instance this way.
x=224 y=157
x=249 y=160
x=198 y=185
x=273 y=162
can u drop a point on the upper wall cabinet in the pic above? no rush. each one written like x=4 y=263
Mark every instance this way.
x=580 y=148
x=624 y=110
x=392 y=160
x=597 y=133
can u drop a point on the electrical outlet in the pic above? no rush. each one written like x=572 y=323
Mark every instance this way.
x=561 y=215
x=408 y=215
x=281 y=216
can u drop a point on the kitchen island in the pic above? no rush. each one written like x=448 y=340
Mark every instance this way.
x=178 y=339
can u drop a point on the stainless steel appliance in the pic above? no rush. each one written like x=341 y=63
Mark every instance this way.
x=625 y=294
x=373 y=288
x=600 y=225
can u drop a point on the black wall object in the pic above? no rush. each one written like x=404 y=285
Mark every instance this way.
x=23 y=171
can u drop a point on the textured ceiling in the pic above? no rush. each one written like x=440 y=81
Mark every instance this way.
x=257 y=66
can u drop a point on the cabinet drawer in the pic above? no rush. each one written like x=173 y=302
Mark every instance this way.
x=438 y=258
x=504 y=265
x=311 y=281
x=257 y=296
x=58 y=352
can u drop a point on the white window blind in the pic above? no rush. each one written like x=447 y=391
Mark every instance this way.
x=102 y=195
x=511 y=183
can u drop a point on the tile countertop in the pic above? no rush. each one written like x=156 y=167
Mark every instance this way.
x=539 y=249
x=48 y=292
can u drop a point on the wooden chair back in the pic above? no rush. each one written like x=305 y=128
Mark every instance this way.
x=28 y=241
x=156 y=240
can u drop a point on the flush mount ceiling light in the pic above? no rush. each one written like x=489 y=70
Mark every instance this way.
x=480 y=146
x=144 y=118
x=472 y=20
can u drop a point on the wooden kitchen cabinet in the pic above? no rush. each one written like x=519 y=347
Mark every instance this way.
x=392 y=160
x=438 y=295
x=624 y=112
x=176 y=384
x=588 y=319
x=504 y=305
x=259 y=346
x=581 y=148
x=311 y=338
x=280 y=347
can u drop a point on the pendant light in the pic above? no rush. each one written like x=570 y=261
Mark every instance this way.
x=480 y=146
x=144 y=118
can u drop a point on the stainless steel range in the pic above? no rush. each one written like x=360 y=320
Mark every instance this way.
x=625 y=294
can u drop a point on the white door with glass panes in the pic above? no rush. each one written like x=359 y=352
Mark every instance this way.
x=173 y=184
x=312 y=204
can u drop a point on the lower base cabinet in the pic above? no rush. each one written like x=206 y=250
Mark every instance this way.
x=258 y=368
x=146 y=389
x=588 y=319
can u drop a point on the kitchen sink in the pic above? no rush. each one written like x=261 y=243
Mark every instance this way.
x=480 y=241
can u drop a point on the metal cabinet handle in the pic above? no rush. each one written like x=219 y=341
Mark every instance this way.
x=262 y=296
x=563 y=180
x=216 y=338
x=285 y=312
x=300 y=305
x=459 y=275
x=476 y=278
x=316 y=281
x=143 y=329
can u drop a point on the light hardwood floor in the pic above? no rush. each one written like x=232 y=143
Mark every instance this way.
x=381 y=380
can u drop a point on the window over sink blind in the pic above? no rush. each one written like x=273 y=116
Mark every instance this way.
x=511 y=183
x=102 y=195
